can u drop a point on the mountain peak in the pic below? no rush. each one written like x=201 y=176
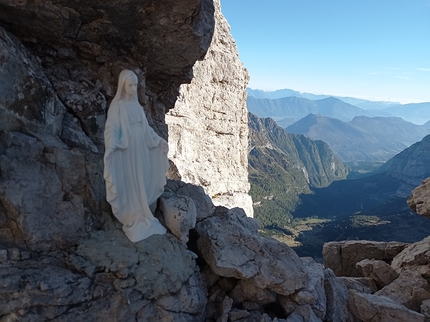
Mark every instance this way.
x=330 y=99
x=315 y=116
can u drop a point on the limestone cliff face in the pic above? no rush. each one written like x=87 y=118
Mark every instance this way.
x=208 y=131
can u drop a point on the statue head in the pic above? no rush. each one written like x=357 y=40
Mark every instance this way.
x=127 y=86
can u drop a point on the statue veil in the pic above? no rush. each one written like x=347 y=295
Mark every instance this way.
x=123 y=76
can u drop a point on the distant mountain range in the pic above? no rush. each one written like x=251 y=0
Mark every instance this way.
x=282 y=166
x=418 y=113
x=362 y=139
x=288 y=110
x=364 y=104
x=285 y=111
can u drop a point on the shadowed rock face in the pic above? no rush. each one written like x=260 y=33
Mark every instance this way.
x=84 y=45
x=167 y=36
x=59 y=66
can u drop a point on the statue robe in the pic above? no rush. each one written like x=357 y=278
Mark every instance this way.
x=136 y=173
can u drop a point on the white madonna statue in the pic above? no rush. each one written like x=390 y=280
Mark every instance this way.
x=135 y=162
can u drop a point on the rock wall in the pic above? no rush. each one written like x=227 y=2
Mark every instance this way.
x=83 y=45
x=208 y=131
x=56 y=80
x=62 y=254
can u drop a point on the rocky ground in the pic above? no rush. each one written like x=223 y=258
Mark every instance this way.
x=213 y=266
x=225 y=272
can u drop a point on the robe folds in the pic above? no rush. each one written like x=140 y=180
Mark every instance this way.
x=135 y=169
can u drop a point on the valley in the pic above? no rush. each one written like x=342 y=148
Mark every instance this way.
x=298 y=203
x=363 y=138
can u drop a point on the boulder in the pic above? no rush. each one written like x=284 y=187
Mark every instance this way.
x=315 y=288
x=420 y=199
x=202 y=202
x=229 y=243
x=342 y=256
x=227 y=304
x=43 y=287
x=214 y=307
x=410 y=289
x=179 y=214
x=287 y=304
x=236 y=314
x=112 y=252
x=382 y=273
x=314 y=294
x=360 y=284
x=337 y=297
x=108 y=279
x=369 y=307
x=186 y=305
x=246 y=291
x=416 y=254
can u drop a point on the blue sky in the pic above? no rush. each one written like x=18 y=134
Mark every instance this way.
x=372 y=49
